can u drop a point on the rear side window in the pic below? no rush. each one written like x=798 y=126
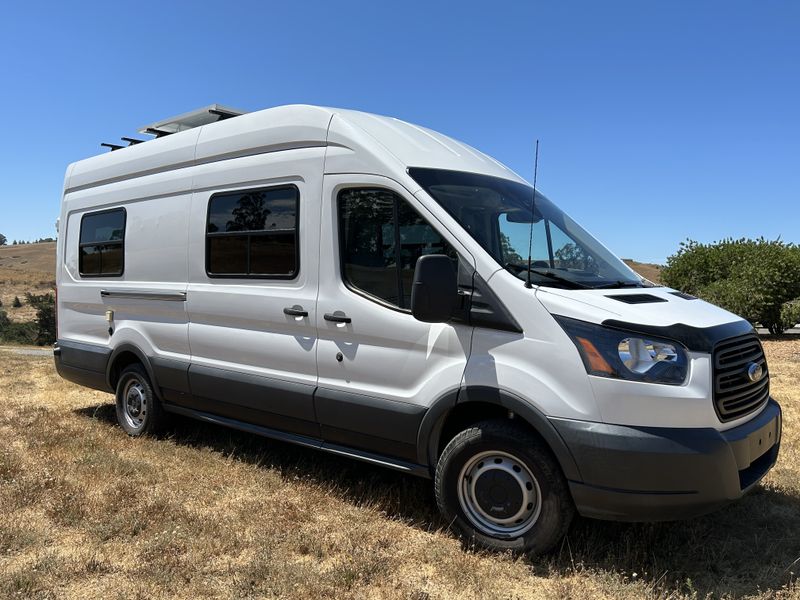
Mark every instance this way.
x=381 y=238
x=101 y=251
x=253 y=233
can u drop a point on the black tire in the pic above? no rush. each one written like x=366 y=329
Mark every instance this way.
x=134 y=389
x=506 y=455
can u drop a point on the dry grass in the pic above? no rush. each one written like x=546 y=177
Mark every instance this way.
x=86 y=512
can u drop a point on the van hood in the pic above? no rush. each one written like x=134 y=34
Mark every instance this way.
x=658 y=311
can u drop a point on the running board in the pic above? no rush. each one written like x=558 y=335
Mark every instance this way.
x=302 y=440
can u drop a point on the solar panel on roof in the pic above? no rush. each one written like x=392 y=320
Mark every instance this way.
x=192 y=119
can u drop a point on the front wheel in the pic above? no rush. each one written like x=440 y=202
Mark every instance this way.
x=501 y=489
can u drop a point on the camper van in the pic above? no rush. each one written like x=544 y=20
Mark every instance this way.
x=374 y=289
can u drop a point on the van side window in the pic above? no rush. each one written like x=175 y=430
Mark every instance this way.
x=253 y=233
x=101 y=247
x=381 y=237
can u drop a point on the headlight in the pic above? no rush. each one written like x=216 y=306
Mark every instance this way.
x=621 y=354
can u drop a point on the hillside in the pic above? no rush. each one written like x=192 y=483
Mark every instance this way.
x=25 y=268
x=646 y=270
x=30 y=257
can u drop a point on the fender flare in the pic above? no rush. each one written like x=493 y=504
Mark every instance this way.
x=431 y=427
x=128 y=347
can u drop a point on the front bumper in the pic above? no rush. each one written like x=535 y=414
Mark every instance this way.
x=661 y=474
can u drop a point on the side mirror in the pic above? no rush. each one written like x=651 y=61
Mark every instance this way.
x=434 y=295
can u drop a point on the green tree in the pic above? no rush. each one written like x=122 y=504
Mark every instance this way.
x=510 y=255
x=752 y=278
x=572 y=256
x=3 y=240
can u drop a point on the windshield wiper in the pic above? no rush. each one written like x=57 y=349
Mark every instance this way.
x=551 y=275
x=557 y=277
x=618 y=284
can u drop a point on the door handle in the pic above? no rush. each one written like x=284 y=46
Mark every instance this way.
x=337 y=318
x=295 y=312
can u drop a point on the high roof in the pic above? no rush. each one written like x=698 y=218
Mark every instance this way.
x=356 y=141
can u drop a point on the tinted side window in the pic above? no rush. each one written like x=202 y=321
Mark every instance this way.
x=101 y=247
x=253 y=233
x=381 y=238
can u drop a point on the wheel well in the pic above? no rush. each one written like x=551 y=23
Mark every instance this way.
x=464 y=415
x=122 y=360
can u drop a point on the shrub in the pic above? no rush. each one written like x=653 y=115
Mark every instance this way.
x=17 y=333
x=40 y=332
x=752 y=278
x=16 y=303
x=45 y=317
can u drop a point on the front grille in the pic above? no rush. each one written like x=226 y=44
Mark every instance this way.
x=734 y=394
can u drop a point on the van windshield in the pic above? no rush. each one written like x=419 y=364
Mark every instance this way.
x=497 y=213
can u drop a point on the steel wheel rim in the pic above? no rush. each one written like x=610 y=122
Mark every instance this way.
x=135 y=407
x=499 y=494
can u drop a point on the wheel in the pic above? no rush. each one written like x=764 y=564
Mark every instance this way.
x=500 y=489
x=138 y=410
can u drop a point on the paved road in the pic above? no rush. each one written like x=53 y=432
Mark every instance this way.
x=28 y=351
x=794 y=331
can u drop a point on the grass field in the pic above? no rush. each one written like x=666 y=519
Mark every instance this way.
x=86 y=512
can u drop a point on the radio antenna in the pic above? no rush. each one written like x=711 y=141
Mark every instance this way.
x=533 y=210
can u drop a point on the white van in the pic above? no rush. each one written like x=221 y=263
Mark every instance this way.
x=363 y=286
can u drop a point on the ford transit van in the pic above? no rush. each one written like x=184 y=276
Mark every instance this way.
x=363 y=286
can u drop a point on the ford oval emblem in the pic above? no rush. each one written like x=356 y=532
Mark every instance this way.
x=754 y=371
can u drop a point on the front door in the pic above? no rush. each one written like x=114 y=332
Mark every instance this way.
x=379 y=368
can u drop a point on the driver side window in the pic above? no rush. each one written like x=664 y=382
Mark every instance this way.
x=381 y=238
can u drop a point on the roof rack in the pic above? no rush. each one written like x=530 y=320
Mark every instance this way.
x=189 y=120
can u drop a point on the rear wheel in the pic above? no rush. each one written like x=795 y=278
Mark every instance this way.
x=138 y=410
x=501 y=489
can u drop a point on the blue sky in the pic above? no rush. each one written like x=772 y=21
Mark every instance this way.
x=658 y=121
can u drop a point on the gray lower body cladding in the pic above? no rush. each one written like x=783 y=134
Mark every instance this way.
x=340 y=419
x=659 y=474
